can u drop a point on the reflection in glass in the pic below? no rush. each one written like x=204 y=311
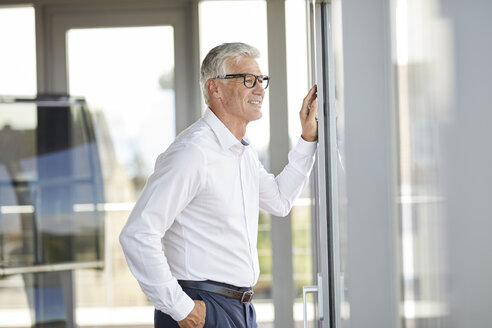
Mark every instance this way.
x=423 y=91
x=49 y=165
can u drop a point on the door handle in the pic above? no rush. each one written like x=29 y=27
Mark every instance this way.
x=306 y=290
x=313 y=289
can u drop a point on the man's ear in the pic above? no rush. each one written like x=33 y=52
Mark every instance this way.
x=213 y=88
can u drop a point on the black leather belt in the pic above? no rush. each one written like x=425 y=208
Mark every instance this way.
x=243 y=297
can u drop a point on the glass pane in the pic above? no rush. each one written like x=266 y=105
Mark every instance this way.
x=49 y=166
x=297 y=86
x=126 y=74
x=18 y=54
x=338 y=195
x=127 y=77
x=297 y=62
x=423 y=66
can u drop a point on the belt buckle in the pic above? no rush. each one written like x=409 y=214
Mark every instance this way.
x=247 y=296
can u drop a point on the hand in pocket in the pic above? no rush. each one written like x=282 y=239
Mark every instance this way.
x=196 y=318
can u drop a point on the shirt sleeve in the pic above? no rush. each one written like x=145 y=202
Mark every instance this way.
x=277 y=194
x=178 y=176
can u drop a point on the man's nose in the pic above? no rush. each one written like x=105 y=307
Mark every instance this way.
x=258 y=89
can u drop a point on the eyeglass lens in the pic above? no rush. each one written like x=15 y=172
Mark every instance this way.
x=250 y=81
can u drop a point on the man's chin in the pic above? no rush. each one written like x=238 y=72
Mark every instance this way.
x=255 y=115
x=258 y=116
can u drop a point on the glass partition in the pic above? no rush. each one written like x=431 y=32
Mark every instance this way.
x=50 y=186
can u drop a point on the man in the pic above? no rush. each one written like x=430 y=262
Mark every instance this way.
x=203 y=198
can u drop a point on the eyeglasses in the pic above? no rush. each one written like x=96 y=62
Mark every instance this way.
x=249 y=80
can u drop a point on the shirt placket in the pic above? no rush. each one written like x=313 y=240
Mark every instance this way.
x=242 y=177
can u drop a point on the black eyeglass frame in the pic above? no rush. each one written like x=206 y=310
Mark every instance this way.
x=244 y=75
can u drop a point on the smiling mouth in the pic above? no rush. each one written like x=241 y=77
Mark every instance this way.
x=254 y=102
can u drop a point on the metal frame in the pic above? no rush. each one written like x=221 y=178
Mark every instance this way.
x=51 y=267
x=333 y=279
x=325 y=190
x=368 y=112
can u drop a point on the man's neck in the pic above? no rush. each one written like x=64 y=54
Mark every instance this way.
x=237 y=128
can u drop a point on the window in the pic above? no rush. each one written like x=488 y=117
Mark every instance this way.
x=50 y=185
x=18 y=55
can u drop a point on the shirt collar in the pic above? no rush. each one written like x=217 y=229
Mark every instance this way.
x=226 y=139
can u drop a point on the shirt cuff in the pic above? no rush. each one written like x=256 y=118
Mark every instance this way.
x=306 y=147
x=181 y=309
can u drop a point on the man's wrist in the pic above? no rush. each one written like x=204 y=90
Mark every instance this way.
x=304 y=147
x=308 y=139
x=182 y=308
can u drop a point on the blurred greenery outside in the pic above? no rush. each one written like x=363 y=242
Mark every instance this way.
x=301 y=252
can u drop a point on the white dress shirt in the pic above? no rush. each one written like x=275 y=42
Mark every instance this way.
x=202 y=202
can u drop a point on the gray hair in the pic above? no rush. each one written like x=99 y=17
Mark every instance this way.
x=215 y=63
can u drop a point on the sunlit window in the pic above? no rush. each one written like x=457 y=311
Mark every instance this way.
x=18 y=51
x=297 y=85
x=126 y=74
x=127 y=78
x=219 y=23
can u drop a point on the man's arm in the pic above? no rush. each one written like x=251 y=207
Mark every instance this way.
x=178 y=177
x=277 y=194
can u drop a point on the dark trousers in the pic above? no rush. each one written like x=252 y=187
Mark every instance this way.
x=222 y=312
